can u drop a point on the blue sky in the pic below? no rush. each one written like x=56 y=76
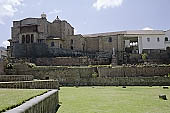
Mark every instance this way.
x=89 y=16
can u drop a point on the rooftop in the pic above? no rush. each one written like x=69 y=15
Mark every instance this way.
x=129 y=32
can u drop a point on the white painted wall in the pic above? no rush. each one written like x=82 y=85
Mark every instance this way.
x=140 y=46
x=153 y=43
x=143 y=43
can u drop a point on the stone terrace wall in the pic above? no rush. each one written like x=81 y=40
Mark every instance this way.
x=133 y=71
x=43 y=84
x=2 y=68
x=69 y=74
x=124 y=81
x=63 y=61
x=83 y=75
x=47 y=103
x=70 y=61
x=7 y=78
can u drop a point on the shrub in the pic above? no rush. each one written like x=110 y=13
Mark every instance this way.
x=94 y=75
x=9 y=66
x=31 y=65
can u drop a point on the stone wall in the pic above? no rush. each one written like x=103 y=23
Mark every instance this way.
x=30 y=50
x=8 y=78
x=53 y=72
x=1 y=67
x=46 y=103
x=71 y=61
x=123 y=81
x=133 y=71
x=77 y=75
x=107 y=43
x=41 y=84
x=75 y=42
x=92 y=44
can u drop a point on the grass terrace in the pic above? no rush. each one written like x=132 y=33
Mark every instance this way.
x=113 y=100
x=10 y=98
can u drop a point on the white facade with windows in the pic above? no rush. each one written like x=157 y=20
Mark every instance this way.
x=149 y=39
x=152 y=42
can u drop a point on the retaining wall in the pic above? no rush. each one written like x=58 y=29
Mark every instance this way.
x=47 y=103
x=70 y=61
x=133 y=71
x=1 y=67
x=8 y=78
x=41 y=84
x=83 y=75
x=123 y=81
x=71 y=73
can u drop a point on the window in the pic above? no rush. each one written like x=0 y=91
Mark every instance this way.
x=72 y=31
x=32 y=38
x=52 y=44
x=71 y=47
x=23 y=38
x=71 y=41
x=148 y=39
x=61 y=46
x=27 y=38
x=68 y=32
x=40 y=41
x=158 y=39
x=166 y=38
x=110 y=39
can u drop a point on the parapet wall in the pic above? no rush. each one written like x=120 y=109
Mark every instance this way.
x=47 y=103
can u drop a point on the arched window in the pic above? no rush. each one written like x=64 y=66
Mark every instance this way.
x=32 y=38
x=158 y=39
x=23 y=39
x=52 y=44
x=27 y=38
x=166 y=38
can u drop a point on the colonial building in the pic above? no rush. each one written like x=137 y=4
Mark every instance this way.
x=37 y=37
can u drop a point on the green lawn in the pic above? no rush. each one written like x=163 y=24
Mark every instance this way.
x=13 y=97
x=113 y=100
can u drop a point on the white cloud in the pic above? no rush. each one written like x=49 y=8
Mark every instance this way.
x=147 y=28
x=5 y=44
x=99 y=4
x=55 y=11
x=8 y=8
